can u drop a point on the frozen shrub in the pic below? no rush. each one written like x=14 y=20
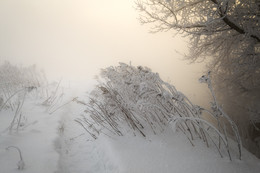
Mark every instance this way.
x=15 y=81
x=136 y=99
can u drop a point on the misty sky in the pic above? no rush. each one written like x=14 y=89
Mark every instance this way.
x=75 y=38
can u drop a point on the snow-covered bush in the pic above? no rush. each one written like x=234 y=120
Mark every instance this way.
x=134 y=98
x=15 y=81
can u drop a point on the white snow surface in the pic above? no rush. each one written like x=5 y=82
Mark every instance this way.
x=55 y=143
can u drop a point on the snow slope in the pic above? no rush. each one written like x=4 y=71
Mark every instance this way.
x=56 y=143
x=35 y=141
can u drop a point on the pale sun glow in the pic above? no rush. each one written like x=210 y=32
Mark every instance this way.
x=74 y=39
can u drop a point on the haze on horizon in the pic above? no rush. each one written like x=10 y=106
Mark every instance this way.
x=74 y=39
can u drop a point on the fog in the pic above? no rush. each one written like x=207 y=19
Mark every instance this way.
x=73 y=39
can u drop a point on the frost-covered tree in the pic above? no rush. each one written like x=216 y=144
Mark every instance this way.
x=225 y=33
x=228 y=31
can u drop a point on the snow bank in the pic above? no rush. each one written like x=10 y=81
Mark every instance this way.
x=35 y=141
x=56 y=143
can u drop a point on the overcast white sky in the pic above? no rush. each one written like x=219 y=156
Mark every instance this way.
x=75 y=38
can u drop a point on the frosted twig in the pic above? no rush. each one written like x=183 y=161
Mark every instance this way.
x=21 y=163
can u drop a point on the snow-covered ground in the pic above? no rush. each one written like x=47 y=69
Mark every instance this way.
x=56 y=143
x=35 y=141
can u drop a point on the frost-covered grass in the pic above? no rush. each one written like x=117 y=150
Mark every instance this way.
x=130 y=98
x=56 y=143
x=166 y=152
x=34 y=138
x=16 y=82
x=49 y=140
